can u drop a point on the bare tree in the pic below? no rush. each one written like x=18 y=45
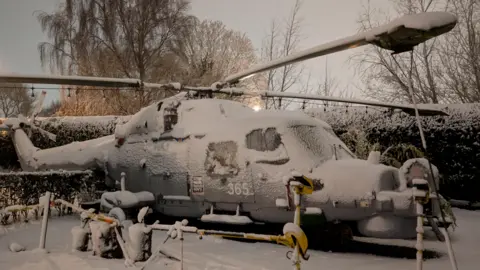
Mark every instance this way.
x=209 y=51
x=85 y=102
x=117 y=38
x=282 y=40
x=15 y=99
x=51 y=109
x=386 y=77
x=460 y=53
x=329 y=87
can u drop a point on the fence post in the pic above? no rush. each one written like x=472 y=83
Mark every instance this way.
x=43 y=232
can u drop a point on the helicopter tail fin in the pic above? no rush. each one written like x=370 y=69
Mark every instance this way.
x=24 y=148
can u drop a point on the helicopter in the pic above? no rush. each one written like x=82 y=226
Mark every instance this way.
x=220 y=161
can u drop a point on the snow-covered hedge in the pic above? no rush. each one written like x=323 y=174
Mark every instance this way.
x=25 y=188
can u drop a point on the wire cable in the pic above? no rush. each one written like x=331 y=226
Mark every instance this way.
x=422 y=137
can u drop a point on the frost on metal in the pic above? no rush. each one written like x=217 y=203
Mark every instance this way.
x=228 y=219
x=422 y=21
x=221 y=159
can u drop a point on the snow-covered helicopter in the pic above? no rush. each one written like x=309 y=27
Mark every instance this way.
x=221 y=161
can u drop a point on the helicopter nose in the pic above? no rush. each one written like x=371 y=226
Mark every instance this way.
x=349 y=180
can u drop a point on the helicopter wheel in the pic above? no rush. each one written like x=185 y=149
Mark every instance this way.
x=118 y=214
x=333 y=237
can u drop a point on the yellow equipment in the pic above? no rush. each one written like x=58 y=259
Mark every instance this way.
x=307 y=185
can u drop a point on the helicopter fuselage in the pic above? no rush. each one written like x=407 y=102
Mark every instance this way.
x=237 y=165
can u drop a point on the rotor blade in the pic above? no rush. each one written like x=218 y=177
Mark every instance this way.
x=69 y=80
x=400 y=35
x=410 y=109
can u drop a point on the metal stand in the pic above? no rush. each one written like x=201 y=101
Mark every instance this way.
x=46 y=212
x=451 y=255
x=421 y=193
x=174 y=231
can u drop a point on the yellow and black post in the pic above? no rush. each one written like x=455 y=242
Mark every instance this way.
x=302 y=186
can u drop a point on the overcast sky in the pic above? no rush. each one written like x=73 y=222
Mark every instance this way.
x=323 y=21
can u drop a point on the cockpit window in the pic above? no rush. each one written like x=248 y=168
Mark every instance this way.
x=342 y=152
x=262 y=141
x=319 y=142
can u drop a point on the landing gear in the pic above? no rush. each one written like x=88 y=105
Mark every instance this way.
x=331 y=237
x=124 y=216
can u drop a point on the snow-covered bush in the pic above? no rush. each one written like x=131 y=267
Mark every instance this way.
x=356 y=140
x=396 y=155
x=25 y=188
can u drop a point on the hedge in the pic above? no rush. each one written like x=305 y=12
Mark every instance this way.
x=25 y=188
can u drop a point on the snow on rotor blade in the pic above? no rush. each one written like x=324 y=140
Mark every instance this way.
x=399 y=35
x=69 y=80
x=328 y=48
x=410 y=109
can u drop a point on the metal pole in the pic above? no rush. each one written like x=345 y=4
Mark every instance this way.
x=296 y=220
x=128 y=262
x=122 y=181
x=43 y=232
x=451 y=255
x=421 y=191
x=420 y=232
x=180 y=232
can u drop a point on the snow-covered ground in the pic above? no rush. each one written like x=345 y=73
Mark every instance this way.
x=220 y=254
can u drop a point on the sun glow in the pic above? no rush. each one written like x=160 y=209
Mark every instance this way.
x=256 y=108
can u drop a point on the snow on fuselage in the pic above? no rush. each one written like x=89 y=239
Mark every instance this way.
x=224 y=152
